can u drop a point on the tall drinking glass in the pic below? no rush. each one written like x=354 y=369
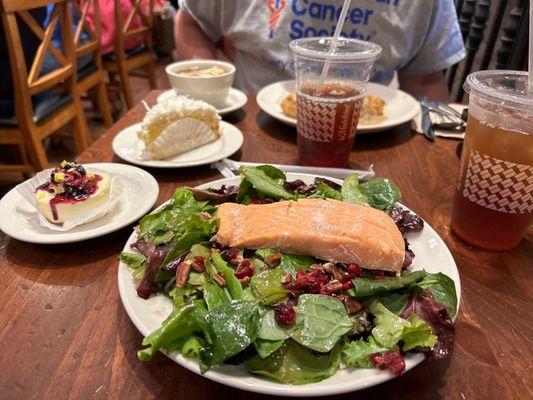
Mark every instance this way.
x=328 y=106
x=493 y=204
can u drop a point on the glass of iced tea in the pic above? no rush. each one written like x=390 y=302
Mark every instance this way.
x=330 y=86
x=493 y=203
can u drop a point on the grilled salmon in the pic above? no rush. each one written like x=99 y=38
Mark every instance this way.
x=327 y=229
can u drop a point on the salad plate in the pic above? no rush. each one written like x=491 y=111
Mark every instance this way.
x=399 y=108
x=129 y=147
x=432 y=255
x=138 y=194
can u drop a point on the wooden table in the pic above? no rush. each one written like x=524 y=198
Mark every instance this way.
x=64 y=332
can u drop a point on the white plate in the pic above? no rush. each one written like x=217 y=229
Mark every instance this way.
x=400 y=107
x=127 y=146
x=236 y=99
x=147 y=315
x=139 y=194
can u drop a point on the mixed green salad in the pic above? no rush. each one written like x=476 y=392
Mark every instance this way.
x=293 y=319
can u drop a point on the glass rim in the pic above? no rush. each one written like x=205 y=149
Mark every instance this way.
x=475 y=84
x=371 y=51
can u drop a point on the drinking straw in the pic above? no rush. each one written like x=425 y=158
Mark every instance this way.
x=335 y=40
x=530 y=67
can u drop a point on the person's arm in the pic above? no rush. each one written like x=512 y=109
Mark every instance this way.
x=191 y=41
x=433 y=86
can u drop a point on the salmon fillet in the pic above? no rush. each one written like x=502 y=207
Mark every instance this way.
x=327 y=229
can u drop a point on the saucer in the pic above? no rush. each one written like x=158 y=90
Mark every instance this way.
x=236 y=99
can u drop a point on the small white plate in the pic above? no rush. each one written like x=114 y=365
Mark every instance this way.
x=127 y=146
x=139 y=194
x=400 y=107
x=431 y=254
x=236 y=99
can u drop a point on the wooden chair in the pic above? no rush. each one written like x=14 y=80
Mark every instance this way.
x=28 y=82
x=123 y=62
x=92 y=75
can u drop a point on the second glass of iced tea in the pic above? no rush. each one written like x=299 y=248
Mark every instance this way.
x=328 y=104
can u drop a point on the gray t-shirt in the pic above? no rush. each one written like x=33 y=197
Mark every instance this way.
x=417 y=36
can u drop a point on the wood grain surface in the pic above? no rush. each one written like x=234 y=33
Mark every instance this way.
x=64 y=333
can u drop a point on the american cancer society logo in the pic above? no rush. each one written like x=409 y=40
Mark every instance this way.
x=276 y=8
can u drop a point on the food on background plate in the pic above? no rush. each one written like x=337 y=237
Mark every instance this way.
x=288 y=105
x=178 y=125
x=293 y=318
x=372 y=110
x=71 y=190
x=203 y=72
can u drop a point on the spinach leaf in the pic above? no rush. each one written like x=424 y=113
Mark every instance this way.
x=267 y=347
x=273 y=172
x=267 y=286
x=388 y=328
x=320 y=322
x=381 y=193
x=289 y=262
x=234 y=325
x=417 y=334
x=191 y=347
x=356 y=353
x=364 y=287
x=184 y=243
x=243 y=195
x=351 y=193
x=269 y=329
x=184 y=320
x=324 y=191
x=227 y=273
x=214 y=295
x=295 y=364
x=265 y=184
x=442 y=288
x=135 y=261
x=394 y=301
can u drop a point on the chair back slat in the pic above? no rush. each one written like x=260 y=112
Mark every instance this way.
x=27 y=77
x=142 y=11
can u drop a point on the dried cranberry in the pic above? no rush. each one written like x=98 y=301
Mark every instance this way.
x=200 y=260
x=285 y=314
x=354 y=269
x=255 y=200
x=245 y=268
x=378 y=274
x=391 y=359
x=229 y=254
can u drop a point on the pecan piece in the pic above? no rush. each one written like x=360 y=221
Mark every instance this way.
x=273 y=260
x=334 y=286
x=333 y=270
x=182 y=273
x=218 y=279
x=198 y=267
x=352 y=306
x=245 y=281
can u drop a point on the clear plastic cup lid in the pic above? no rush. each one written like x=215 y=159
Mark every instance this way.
x=505 y=88
x=318 y=48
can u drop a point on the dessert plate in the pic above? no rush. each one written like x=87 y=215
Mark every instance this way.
x=147 y=315
x=139 y=191
x=400 y=107
x=236 y=99
x=129 y=147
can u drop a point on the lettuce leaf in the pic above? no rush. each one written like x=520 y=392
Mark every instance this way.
x=356 y=353
x=295 y=364
x=417 y=335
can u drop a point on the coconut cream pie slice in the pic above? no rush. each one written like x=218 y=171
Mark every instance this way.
x=71 y=191
x=178 y=125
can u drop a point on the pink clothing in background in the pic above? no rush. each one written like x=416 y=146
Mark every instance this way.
x=107 y=22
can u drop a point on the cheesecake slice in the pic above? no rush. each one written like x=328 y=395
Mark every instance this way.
x=71 y=191
x=178 y=125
